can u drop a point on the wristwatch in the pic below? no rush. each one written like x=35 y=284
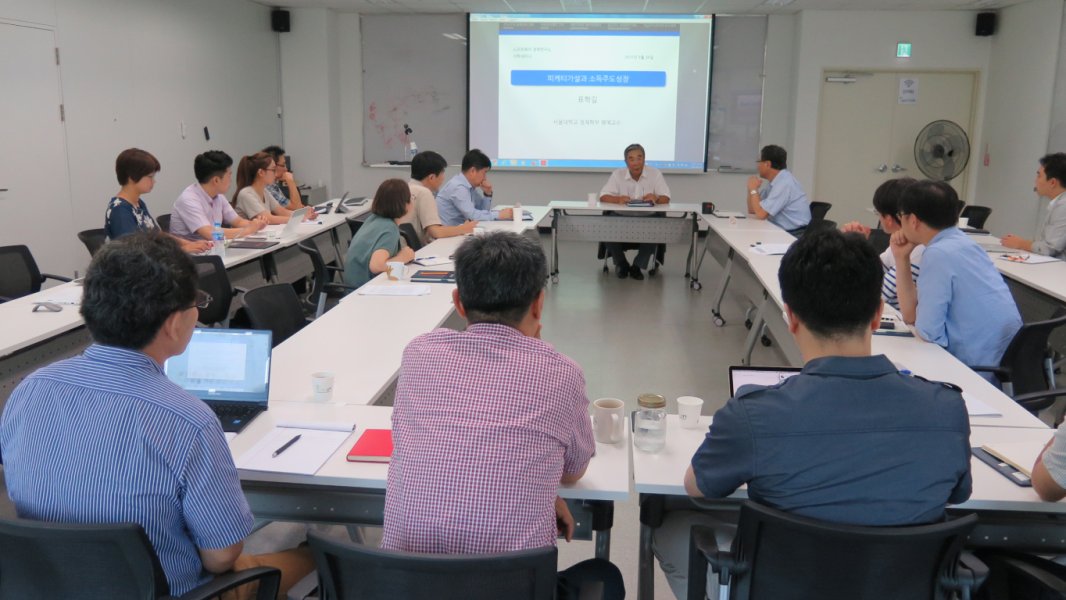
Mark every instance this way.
x=753 y=192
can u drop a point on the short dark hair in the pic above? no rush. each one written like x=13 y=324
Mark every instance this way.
x=633 y=147
x=275 y=152
x=935 y=203
x=133 y=284
x=499 y=275
x=427 y=163
x=1055 y=167
x=886 y=196
x=475 y=159
x=832 y=282
x=133 y=164
x=391 y=199
x=775 y=155
x=210 y=164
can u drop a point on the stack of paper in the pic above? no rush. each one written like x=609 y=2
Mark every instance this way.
x=1020 y=455
x=770 y=249
x=1029 y=259
x=64 y=294
x=318 y=441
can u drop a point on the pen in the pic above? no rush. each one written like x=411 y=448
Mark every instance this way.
x=756 y=244
x=285 y=446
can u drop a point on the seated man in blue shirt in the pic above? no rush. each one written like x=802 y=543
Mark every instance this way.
x=783 y=201
x=961 y=301
x=468 y=195
x=106 y=437
x=847 y=440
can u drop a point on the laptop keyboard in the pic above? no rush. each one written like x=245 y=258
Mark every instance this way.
x=235 y=417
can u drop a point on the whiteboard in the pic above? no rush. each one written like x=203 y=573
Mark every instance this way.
x=413 y=73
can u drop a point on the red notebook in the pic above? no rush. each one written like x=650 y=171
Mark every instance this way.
x=375 y=445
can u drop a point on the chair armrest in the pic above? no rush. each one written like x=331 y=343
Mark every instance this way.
x=339 y=287
x=335 y=269
x=591 y=590
x=704 y=550
x=56 y=277
x=1035 y=401
x=269 y=580
x=998 y=371
x=239 y=290
x=967 y=576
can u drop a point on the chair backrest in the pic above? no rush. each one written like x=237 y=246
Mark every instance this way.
x=93 y=239
x=350 y=571
x=1024 y=356
x=880 y=239
x=793 y=558
x=817 y=225
x=320 y=274
x=59 y=560
x=19 y=275
x=277 y=308
x=164 y=222
x=819 y=210
x=215 y=281
x=407 y=230
x=977 y=215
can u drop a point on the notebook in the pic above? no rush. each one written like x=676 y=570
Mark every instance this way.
x=229 y=369
x=740 y=376
x=375 y=445
x=433 y=276
x=252 y=244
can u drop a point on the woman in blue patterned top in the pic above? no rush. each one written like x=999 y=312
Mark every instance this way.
x=127 y=213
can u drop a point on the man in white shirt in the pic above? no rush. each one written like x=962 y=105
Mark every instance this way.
x=1051 y=234
x=635 y=181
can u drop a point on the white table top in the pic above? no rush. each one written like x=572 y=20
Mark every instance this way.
x=577 y=206
x=607 y=477
x=1049 y=278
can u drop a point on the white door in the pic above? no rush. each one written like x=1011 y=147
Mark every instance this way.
x=35 y=201
x=866 y=134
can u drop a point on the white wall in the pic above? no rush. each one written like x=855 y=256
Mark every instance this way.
x=1021 y=83
x=132 y=70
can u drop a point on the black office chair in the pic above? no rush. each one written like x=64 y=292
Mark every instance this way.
x=1025 y=369
x=214 y=280
x=817 y=225
x=322 y=286
x=879 y=239
x=350 y=571
x=164 y=222
x=19 y=275
x=93 y=239
x=819 y=210
x=1015 y=575
x=785 y=557
x=977 y=216
x=90 y=562
x=407 y=231
x=277 y=308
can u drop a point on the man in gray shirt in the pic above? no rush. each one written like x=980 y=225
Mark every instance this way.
x=1051 y=233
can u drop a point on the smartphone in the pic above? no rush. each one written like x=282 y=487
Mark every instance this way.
x=887 y=324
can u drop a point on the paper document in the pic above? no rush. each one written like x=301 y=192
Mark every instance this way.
x=1020 y=455
x=348 y=426
x=433 y=261
x=64 y=294
x=976 y=407
x=305 y=457
x=393 y=290
x=725 y=214
x=1029 y=259
x=770 y=249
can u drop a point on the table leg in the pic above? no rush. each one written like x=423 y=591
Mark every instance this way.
x=756 y=330
x=723 y=283
x=646 y=566
x=554 y=271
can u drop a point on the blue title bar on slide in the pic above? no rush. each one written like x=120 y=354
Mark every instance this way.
x=589 y=78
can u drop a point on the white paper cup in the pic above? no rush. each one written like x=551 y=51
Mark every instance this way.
x=688 y=411
x=395 y=270
x=593 y=199
x=608 y=420
x=964 y=221
x=322 y=386
x=516 y=213
x=479 y=231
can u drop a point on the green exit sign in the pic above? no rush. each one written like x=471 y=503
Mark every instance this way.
x=903 y=50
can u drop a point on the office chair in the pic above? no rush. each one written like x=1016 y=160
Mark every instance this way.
x=407 y=231
x=819 y=210
x=19 y=275
x=277 y=308
x=93 y=239
x=350 y=571
x=164 y=222
x=90 y=562
x=322 y=286
x=879 y=239
x=786 y=557
x=1026 y=370
x=977 y=216
x=1019 y=575
x=214 y=280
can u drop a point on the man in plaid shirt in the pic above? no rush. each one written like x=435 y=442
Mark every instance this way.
x=488 y=422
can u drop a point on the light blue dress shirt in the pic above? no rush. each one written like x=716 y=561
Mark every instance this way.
x=459 y=202
x=963 y=303
x=785 y=201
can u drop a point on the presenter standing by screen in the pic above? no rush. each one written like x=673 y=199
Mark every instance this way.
x=635 y=181
x=468 y=195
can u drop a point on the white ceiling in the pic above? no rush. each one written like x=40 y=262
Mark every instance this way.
x=635 y=6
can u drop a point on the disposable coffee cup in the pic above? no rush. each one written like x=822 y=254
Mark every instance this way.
x=688 y=411
x=964 y=221
x=608 y=420
x=395 y=270
x=322 y=386
x=479 y=231
x=593 y=199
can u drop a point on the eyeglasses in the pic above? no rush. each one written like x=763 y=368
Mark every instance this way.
x=282 y=166
x=271 y=169
x=203 y=300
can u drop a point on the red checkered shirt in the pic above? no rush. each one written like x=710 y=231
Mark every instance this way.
x=484 y=425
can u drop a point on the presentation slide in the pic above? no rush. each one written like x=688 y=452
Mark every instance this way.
x=572 y=91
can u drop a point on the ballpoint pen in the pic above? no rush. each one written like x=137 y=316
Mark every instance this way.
x=285 y=446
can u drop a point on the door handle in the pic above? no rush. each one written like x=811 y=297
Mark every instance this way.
x=882 y=168
x=896 y=168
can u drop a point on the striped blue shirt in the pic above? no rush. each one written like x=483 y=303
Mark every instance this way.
x=106 y=438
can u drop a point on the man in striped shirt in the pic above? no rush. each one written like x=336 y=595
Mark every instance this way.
x=105 y=437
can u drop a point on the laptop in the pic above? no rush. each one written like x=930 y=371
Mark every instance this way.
x=741 y=376
x=229 y=369
x=295 y=219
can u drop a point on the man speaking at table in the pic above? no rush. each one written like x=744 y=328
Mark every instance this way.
x=635 y=181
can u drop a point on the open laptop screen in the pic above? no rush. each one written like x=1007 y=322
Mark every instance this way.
x=224 y=365
x=740 y=376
